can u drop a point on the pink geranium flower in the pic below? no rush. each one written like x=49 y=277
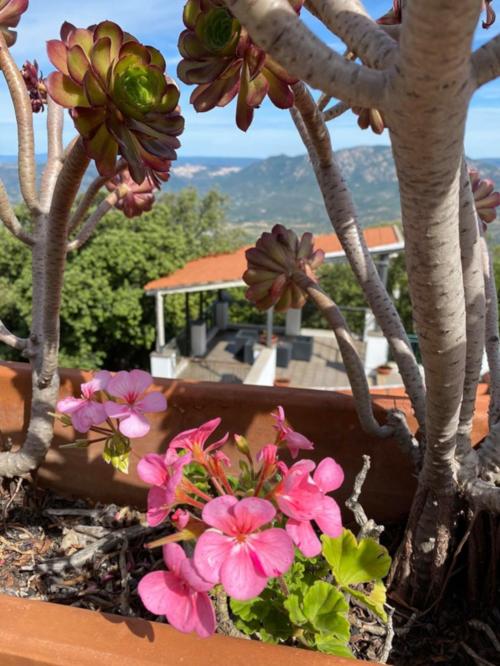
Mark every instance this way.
x=130 y=387
x=304 y=499
x=235 y=553
x=294 y=440
x=180 y=594
x=194 y=440
x=164 y=473
x=86 y=412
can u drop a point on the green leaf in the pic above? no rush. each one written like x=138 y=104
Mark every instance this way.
x=374 y=601
x=352 y=562
x=326 y=609
x=330 y=645
x=117 y=452
x=292 y=604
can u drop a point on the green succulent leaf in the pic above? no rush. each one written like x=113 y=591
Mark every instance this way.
x=326 y=609
x=293 y=606
x=352 y=562
x=117 y=452
x=374 y=601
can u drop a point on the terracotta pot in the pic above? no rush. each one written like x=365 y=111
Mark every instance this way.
x=39 y=633
x=384 y=370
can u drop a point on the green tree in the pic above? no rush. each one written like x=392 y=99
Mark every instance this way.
x=106 y=319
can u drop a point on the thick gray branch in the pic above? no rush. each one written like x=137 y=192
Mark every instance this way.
x=350 y=21
x=350 y=357
x=340 y=209
x=276 y=28
x=475 y=305
x=24 y=120
x=55 y=125
x=484 y=496
x=335 y=111
x=486 y=62
x=86 y=201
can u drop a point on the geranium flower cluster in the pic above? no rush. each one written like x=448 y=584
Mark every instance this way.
x=246 y=526
x=113 y=407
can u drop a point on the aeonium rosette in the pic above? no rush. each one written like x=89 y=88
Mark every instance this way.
x=10 y=15
x=272 y=265
x=138 y=198
x=113 y=407
x=244 y=526
x=119 y=97
x=219 y=56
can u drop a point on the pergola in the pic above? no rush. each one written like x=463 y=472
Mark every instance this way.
x=224 y=271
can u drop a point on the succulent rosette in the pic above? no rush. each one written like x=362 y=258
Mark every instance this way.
x=10 y=15
x=35 y=85
x=486 y=199
x=219 y=56
x=138 y=198
x=272 y=264
x=119 y=97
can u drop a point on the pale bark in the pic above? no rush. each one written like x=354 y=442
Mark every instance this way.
x=24 y=120
x=10 y=220
x=486 y=62
x=88 y=228
x=335 y=111
x=55 y=125
x=350 y=357
x=492 y=333
x=86 y=201
x=350 y=21
x=475 y=307
x=275 y=27
x=10 y=339
x=430 y=94
x=340 y=209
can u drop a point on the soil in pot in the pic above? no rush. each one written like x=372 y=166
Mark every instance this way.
x=92 y=556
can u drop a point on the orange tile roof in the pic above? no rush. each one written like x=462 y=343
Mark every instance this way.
x=229 y=267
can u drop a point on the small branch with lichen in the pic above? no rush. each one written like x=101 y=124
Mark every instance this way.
x=24 y=120
x=104 y=207
x=10 y=220
x=368 y=527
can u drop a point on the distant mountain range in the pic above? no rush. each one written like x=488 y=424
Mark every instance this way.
x=282 y=188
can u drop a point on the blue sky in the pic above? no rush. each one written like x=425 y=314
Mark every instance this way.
x=159 y=22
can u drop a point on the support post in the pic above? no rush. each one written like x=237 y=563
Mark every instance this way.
x=269 y=327
x=160 y=322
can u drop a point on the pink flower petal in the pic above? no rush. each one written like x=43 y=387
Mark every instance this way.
x=99 y=382
x=152 y=470
x=204 y=615
x=140 y=380
x=216 y=445
x=120 y=385
x=69 y=405
x=174 y=556
x=218 y=513
x=154 y=591
x=297 y=442
x=304 y=537
x=240 y=575
x=193 y=578
x=158 y=506
x=328 y=475
x=251 y=513
x=116 y=410
x=152 y=402
x=134 y=426
x=187 y=439
x=89 y=414
x=329 y=518
x=212 y=549
x=274 y=549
